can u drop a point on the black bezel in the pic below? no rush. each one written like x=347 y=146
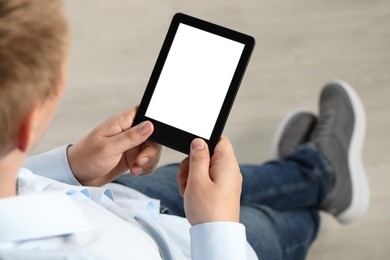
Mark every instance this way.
x=171 y=136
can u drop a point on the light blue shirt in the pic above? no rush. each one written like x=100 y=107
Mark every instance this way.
x=54 y=217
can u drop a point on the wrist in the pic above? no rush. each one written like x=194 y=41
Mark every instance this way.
x=72 y=162
x=217 y=214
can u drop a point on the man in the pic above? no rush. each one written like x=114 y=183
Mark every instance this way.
x=53 y=208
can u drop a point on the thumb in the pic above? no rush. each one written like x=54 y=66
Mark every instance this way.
x=199 y=162
x=133 y=137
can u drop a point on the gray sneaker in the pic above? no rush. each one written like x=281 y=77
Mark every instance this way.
x=295 y=129
x=339 y=135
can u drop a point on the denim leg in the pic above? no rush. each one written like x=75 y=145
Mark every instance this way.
x=279 y=234
x=302 y=180
x=280 y=202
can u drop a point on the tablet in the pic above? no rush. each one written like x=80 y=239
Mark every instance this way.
x=194 y=82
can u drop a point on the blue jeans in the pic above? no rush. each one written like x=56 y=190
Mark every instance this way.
x=279 y=201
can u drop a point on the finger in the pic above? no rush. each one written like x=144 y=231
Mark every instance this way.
x=223 y=161
x=135 y=170
x=182 y=188
x=183 y=175
x=132 y=137
x=150 y=153
x=148 y=157
x=224 y=148
x=199 y=163
x=183 y=171
x=130 y=156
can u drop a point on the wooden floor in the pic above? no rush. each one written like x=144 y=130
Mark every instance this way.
x=300 y=45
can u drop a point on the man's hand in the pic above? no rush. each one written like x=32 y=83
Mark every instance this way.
x=113 y=148
x=211 y=187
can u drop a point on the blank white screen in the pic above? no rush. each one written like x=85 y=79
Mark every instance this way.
x=194 y=81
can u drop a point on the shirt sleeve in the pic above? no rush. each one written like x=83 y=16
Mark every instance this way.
x=218 y=240
x=52 y=164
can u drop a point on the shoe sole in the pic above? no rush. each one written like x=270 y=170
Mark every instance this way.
x=280 y=130
x=360 y=189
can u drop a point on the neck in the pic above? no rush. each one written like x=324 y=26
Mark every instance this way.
x=10 y=164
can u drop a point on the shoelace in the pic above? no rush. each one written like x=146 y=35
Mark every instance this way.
x=321 y=127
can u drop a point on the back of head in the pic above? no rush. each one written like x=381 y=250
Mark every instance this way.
x=33 y=45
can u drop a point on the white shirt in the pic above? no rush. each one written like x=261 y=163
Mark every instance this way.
x=55 y=218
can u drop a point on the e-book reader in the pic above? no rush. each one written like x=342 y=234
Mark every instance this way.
x=194 y=82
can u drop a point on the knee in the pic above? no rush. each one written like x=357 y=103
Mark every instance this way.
x=261 y=232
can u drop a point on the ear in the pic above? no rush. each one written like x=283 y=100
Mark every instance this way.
x=26 y=131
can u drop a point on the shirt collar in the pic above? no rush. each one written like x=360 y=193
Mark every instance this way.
x=40 y=215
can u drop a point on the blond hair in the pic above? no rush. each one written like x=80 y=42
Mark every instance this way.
x=33 y=44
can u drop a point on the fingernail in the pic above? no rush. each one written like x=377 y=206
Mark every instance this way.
x=138 y=171
x=143 y=160
x=197 y=144
x=144 y=127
